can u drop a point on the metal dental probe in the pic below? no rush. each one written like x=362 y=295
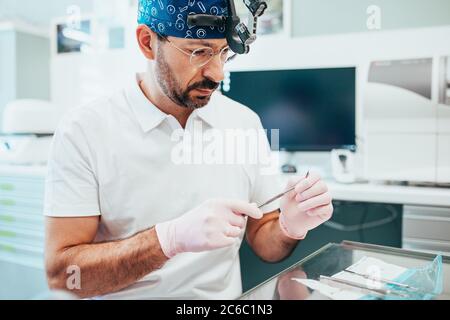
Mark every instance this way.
x=383 y=292
x=280 y=195
x=398 y=284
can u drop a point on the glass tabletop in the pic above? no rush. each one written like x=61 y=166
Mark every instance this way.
x=334 y=258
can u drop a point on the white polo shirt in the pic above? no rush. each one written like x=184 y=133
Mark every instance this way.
x=114 y=158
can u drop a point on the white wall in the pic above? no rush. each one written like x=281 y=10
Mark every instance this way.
x=8 y=74
x=321 y=17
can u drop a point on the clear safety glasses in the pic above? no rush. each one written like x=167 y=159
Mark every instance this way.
x=202 y=56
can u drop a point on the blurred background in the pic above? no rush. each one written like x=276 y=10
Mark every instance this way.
x=360 y=91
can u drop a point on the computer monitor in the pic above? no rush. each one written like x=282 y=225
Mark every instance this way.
x=314 y=109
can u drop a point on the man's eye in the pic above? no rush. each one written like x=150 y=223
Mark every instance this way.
x=201 y=52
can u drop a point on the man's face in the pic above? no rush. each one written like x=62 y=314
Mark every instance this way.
x=186 y=85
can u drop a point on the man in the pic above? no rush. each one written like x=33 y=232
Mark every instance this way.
x=128 y=220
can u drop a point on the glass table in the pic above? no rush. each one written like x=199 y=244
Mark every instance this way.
x=334 y=258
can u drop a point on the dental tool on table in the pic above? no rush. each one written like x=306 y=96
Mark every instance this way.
x=398 y=284
x=382 y=292
x=280 y=195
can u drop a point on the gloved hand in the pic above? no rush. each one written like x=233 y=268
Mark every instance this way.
x=212 y=225
x=306 y=207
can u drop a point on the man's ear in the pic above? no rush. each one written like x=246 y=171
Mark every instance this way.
x=147 y=40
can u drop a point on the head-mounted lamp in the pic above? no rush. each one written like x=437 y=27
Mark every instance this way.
x=238 y=34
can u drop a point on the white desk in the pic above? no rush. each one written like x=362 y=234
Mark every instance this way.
x=381 y=193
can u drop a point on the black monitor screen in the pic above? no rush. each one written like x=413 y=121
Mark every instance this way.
x=314 y=109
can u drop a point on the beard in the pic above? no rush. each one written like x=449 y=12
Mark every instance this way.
x=172 y=89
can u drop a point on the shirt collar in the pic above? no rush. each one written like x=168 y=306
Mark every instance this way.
x=149 y=116
x=209 y=112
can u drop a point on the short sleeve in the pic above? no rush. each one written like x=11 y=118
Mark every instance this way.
x=71 y=188
x=267 y=182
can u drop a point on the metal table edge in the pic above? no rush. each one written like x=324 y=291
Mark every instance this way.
x=290 y=268
x=396 y=251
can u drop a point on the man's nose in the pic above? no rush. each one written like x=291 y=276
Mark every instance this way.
x=214 y=70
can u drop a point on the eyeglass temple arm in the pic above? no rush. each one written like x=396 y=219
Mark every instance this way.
x=179 y=49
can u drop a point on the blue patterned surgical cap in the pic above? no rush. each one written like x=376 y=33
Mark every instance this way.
x=169 y=17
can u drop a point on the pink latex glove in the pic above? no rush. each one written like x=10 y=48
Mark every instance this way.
x=306 y=207
x=212 y=225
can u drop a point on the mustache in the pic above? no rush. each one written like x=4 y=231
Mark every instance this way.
x=205 y=84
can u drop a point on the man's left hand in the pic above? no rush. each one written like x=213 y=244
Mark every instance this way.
x=306 y=207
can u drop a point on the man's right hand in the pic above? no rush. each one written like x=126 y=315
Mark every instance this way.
x=212 y=225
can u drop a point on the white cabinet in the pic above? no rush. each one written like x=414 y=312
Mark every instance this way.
x=22 y=274
x=426 y=229
x=21 y=218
